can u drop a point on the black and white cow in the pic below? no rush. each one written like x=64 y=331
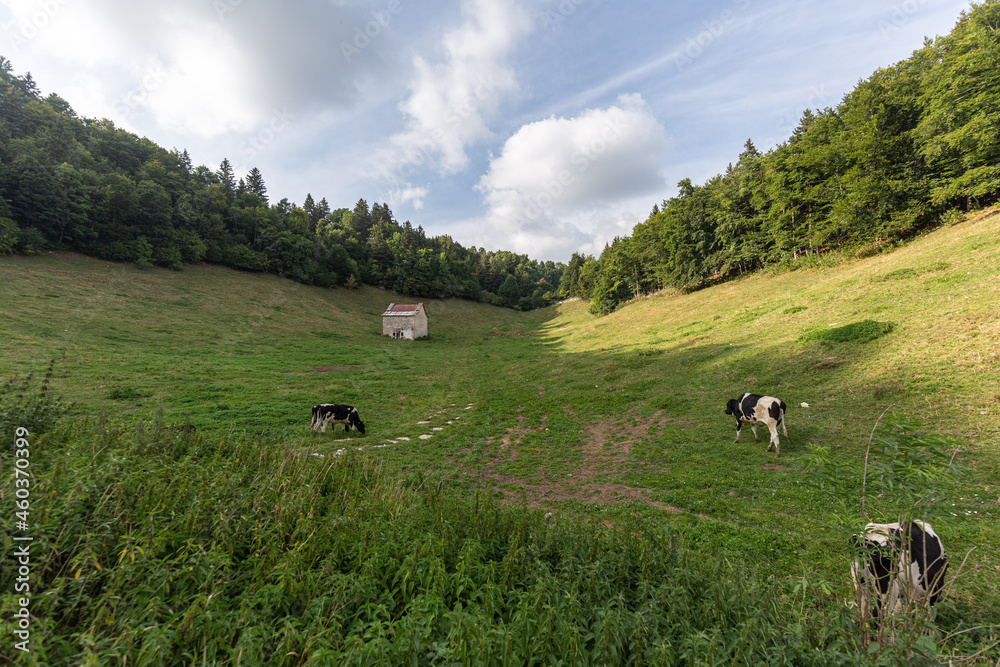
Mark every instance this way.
x=751 y=408
x=330 y=413
x=901 y=564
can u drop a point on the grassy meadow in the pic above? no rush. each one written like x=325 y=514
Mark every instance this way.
x=614 y=425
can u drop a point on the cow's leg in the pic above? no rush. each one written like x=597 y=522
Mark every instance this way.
x=753 y=427
x=774 y=440
x=739 y=425
x=862 y=587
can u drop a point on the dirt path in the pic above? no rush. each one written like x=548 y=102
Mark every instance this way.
x=604 y=452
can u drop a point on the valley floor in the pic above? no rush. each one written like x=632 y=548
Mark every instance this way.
x=595 y=420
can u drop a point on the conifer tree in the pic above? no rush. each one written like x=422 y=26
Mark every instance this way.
x=226 y=178
x=255 y=184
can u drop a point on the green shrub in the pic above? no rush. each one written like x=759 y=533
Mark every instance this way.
x=168 y=256
x=30 y=240
x=192 y=247
x=242 y=257
x=9 y=235
x=137 y=250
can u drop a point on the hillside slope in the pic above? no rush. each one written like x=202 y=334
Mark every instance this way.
x=943 y=359
x=213 y=346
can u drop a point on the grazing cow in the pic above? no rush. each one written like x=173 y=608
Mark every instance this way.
x=905 y=562
x=328 y=413
x=751 y=409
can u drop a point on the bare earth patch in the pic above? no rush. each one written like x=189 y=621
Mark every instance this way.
x=604 y=453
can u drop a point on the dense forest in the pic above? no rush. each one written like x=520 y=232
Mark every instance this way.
x=82 y=184
x=907 y=149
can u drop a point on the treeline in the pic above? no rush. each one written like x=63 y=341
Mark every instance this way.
x=911 y=146
x=82 y=184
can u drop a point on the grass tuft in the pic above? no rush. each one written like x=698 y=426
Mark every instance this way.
x=884 y=390
x=864 y=331
x=126 y=393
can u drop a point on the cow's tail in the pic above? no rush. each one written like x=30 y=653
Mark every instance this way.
x=783 y=425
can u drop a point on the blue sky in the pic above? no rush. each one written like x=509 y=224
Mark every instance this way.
x=545 y=127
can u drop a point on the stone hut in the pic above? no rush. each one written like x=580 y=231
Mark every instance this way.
x=405 y=320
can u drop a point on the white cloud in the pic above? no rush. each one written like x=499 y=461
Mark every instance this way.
x=562 y=185
x=452 y=101
x=200 y=68
x=59 y=28
x=412 y=195
x=203 y=87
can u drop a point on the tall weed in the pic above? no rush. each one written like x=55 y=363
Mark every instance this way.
x=34 y=409
x=907 y=476
x=159 y=545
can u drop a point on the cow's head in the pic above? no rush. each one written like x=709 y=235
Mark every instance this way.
x=356 y=422
x=731 y=407
x=874 y=560
x=877 y=570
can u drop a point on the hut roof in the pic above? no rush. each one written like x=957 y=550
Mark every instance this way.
x=402 y=309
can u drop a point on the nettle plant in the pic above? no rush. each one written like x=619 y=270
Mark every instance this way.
x=907 y=475
x=24 y=406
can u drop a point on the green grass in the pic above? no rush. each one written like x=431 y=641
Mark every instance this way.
x=604 y=421
x=864 y=331
x=176 y=547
